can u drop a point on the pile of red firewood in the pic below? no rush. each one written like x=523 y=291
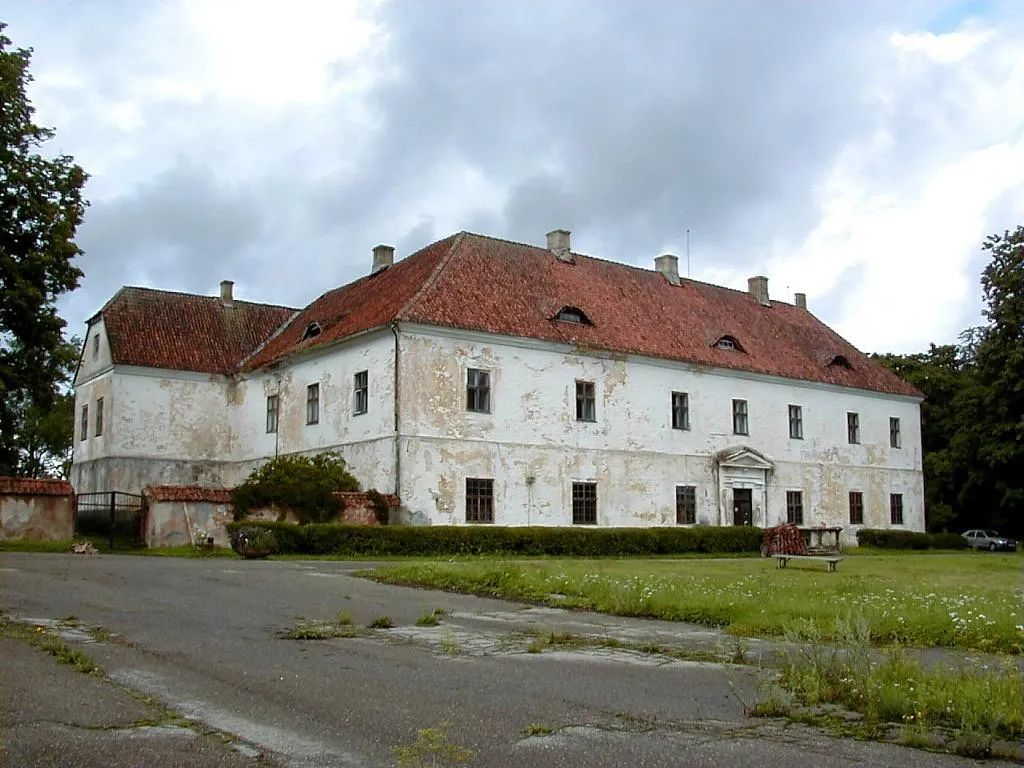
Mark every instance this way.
x=783 y=539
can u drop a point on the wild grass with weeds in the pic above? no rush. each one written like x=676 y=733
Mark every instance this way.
x=538 y=729
x=898 y=688
x=433 y=747
x=951 y=600
x=382 y=622
x=429 y=619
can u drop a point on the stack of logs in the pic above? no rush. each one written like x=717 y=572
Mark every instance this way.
x=783 y=539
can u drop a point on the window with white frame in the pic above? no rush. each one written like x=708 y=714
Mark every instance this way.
x=361 y=393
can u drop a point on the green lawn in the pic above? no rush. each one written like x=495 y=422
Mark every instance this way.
x=971 y=601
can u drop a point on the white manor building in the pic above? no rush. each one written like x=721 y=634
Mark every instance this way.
x=485 y=381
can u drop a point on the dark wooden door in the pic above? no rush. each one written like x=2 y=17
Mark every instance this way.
x=742 y=506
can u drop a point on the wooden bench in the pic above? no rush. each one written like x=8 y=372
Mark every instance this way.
x=831 y=560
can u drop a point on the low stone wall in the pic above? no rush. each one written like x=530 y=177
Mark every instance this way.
x=179 y=515
x=40 y=510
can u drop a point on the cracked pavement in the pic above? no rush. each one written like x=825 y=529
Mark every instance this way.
x=196 y=673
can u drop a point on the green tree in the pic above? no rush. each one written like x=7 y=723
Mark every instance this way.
x=1000 y=374
x=41 y=206
x=45 y=437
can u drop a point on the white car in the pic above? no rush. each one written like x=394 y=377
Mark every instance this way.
x=990 y=540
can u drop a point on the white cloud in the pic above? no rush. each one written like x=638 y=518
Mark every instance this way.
x=895 y=245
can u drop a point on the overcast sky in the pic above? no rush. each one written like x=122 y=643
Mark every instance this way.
x=853 y=150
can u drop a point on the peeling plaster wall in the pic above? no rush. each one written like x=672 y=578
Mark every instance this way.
x=175 y=523
x=180 y=428
x=533 y=447
x=366 y=441
x=38 y=518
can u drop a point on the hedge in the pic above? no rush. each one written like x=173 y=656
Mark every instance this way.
x=335 y=539
x=896 y=539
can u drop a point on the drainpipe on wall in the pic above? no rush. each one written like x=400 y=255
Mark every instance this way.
x=398 y=455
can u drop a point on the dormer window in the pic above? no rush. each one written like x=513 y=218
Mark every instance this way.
x=573 y=315
x=312 y=331
x=728 y=342
x=841 y=362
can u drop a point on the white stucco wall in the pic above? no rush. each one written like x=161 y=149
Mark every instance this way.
x=533 y=447
x=175 y=427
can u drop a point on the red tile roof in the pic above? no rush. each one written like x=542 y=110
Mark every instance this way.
x=187 y=493
x=185 y=332
x=23 y=486
x=370 y=302
x=362 y=499
x=484 y=284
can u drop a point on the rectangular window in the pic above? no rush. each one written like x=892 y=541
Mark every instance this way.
x=313 y=404
x=479 y=500
x=585 y=401
x=478 y=391
x=84 y=432
x=896 y=508
x=739 y=417
x=584 y=503
x=95 y=346
x=99 y=416
x=856 y=508
x=273 y=403
x=680 y=410
x=894 y=433
x=362 y=392
x=796 y=422
x=795 y=507
x=852 y=428
x=686 y=505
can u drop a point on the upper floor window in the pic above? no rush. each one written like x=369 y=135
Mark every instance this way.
x=680 y=410
x=479 y=500
x=584 y=503
x=95 y=346
x=739 y=417
x=478 y=391
x=312 y=330
x=586 y=407
x=273 y=407
x=895 y=440
x=686 y=505
x=796 y=422
x=84 y=430
x=361 y=400
x=313 y=404
x=896 y=508
x=99 y=416
x=852 y=428
x=795 y=507
x=573 y=315
x=856 y=508
x=841 y=361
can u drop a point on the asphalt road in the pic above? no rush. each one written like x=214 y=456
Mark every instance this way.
x=196 y=673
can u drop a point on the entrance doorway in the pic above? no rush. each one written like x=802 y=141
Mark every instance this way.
x=742 y=506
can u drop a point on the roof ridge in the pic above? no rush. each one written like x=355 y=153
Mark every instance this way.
x=615 y=263
x=191 y=295
x=434 y=275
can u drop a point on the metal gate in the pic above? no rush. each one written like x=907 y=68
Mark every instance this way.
x=117 y=516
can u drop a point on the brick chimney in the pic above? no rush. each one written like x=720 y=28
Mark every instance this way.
x=800 y=299
x=383 y=257
x=227 y=297
x=668 y=265
x=559 y=244
x=758 y=287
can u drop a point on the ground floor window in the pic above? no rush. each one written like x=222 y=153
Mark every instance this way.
x=795 y=507
x=686 y=505
x=896 y=508
x=479 y=500
x=584 y=503
x=856 y=508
